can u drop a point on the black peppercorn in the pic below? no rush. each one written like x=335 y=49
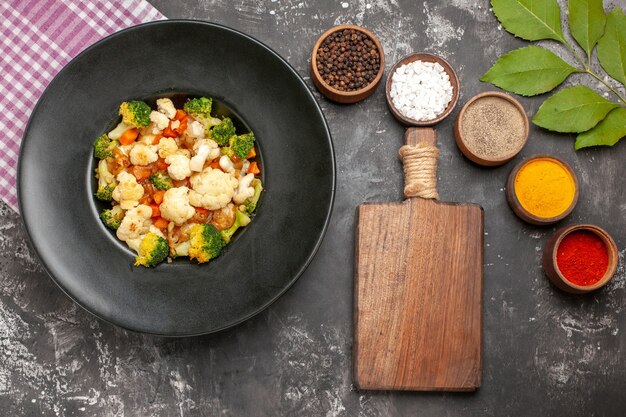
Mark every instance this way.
x=350 y=60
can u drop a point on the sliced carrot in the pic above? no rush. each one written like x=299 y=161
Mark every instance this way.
x=215 y=164
x=158 y=196
x=160 y=164
x=146 y=199
x=202 y=215
x=155 y=210
x=252 y=153
x=180 y=115
x=141 y=173
x=168 y=132
x=182 y=127
x=157 y=139
x=160 y=223
x=254 y=168
x=129 y=136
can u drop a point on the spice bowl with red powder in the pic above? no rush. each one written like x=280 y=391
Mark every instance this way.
x=580 y=258
x=347 y=63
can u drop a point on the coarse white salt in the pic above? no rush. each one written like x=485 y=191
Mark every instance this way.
x=420 y=90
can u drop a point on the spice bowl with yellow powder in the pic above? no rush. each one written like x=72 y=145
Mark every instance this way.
x=542 y=190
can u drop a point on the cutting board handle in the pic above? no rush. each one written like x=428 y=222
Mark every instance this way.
x=420 y=135
x=419 y=157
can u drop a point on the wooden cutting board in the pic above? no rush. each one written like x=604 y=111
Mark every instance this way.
x=418 y=293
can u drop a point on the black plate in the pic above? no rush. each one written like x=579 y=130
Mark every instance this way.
x=55 y=177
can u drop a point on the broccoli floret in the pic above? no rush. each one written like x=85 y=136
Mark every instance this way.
x=135 y=113
x=222 y=132
x=241 y=220
x=161 y=181
x=200 y=109
x=206 y=242
x=251 y=203
x=242 y=144
x=239 y=145
x=105 y=193
x=106 y=182
x=112 y=218
x=103 y=148
x=153 y=250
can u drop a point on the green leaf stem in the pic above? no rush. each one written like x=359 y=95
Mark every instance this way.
x=574 y=109
x=529 y=71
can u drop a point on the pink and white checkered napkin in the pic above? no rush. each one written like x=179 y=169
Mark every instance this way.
x=37 y=38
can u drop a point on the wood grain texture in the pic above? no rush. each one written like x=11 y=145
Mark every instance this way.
x=418 y=296
x=418 y=292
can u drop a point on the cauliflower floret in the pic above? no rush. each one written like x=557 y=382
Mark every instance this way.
x=146 y=138
x=195 y=129
x=159 y=119
x=211 y=144
x=226 y=164
x=244 y=191
x=185 y=152
x=103 y=172
x=178 y=167
x=127 y=192
x=126 y=148
x=174 y=124
x=142 y=154
x=167 y=147
x=212 y=189
x=182 y=249
x=156 y=231
x=134 y=243
x=135 y=223
x=175 y=206
x=165 y=106
x=119 y=130
x=152 y=129
x=204 y=150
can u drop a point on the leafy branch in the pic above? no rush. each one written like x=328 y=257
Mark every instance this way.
x=533 y=70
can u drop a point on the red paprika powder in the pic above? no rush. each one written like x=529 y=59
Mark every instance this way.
x=582 y=257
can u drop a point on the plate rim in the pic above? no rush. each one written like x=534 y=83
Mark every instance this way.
x=300 y=270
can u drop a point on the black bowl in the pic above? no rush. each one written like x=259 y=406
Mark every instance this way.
x=55 y=177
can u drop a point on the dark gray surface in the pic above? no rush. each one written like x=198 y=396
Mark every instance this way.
x=545 y=352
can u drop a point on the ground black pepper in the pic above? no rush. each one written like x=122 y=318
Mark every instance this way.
x=348 y=60
x=493 y=128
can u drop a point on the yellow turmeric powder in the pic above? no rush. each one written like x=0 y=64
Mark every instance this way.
x=544 y=187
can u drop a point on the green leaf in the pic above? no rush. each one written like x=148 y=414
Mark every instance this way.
x=607 y=132
x=530 y=19
x=612 y=46
x=586 y=22
x=575 y=109
x=528 y=71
